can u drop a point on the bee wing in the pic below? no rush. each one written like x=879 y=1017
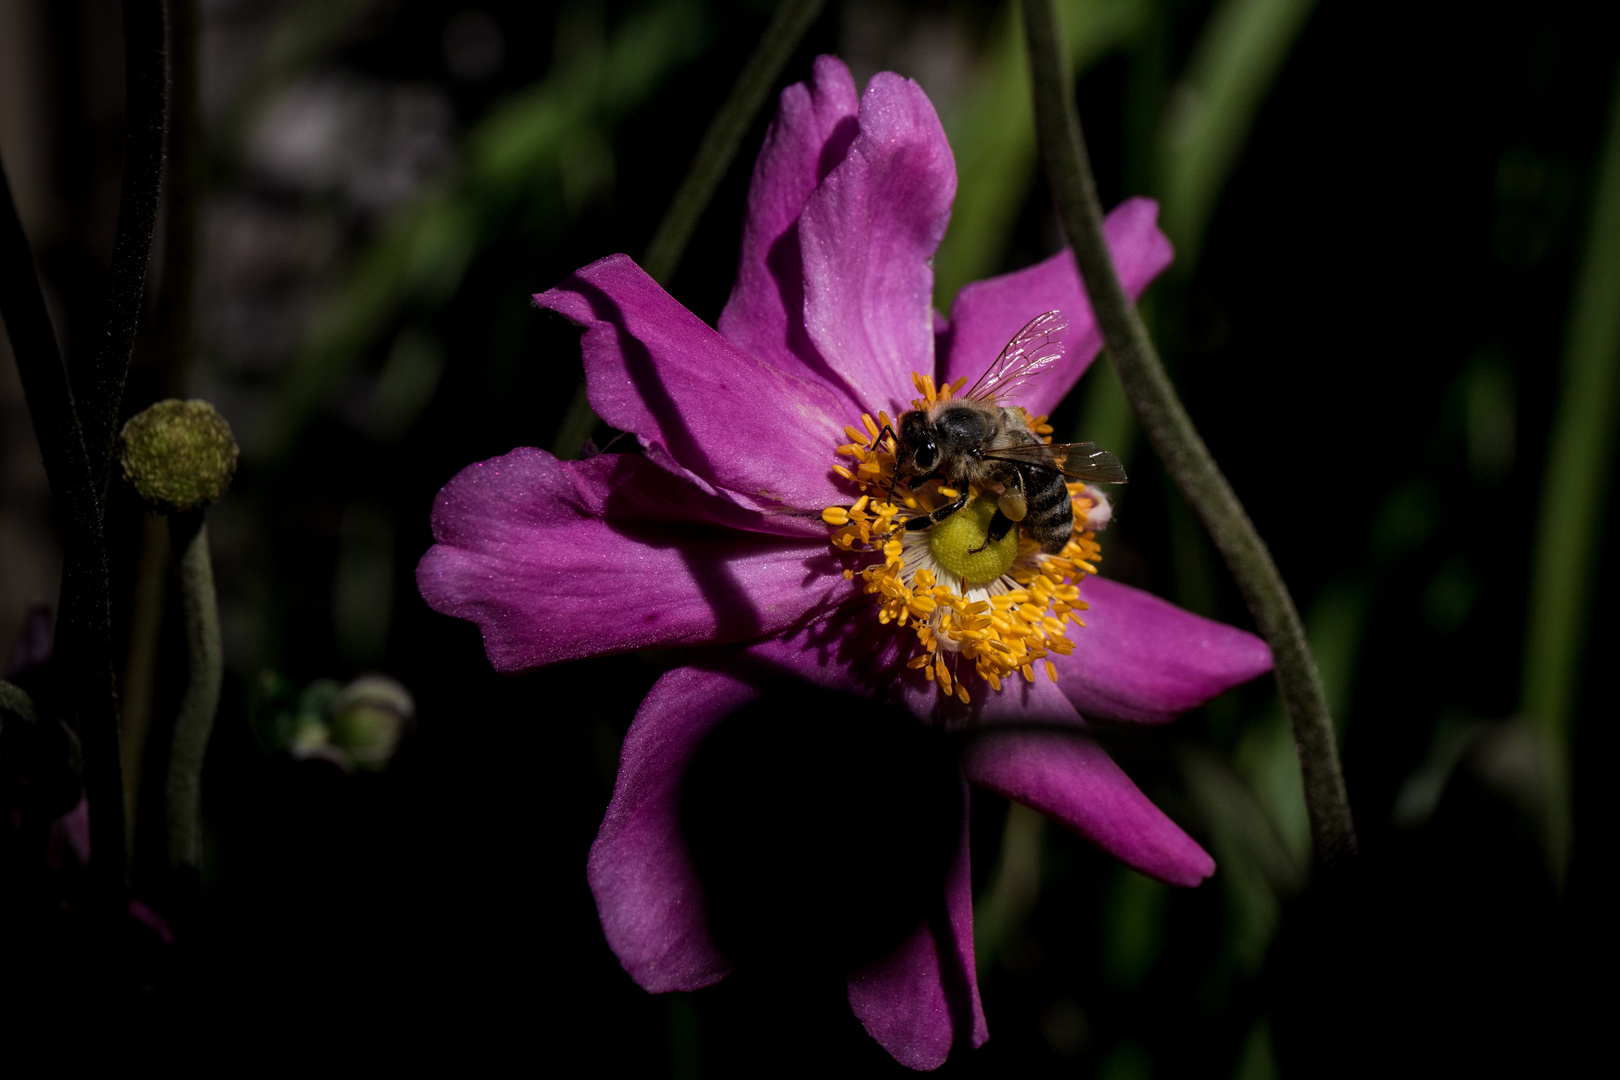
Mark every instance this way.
x=1032 y=350
x=1077 y=461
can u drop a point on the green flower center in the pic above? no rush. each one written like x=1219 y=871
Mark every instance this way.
x=954 y=540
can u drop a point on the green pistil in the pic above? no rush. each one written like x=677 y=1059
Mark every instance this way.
x=953 y=539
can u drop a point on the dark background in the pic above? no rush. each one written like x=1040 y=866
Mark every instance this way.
x=1369 y=339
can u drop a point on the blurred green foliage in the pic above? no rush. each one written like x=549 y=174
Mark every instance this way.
x=527 y=168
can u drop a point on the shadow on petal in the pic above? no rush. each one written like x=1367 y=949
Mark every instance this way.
x=822 y=826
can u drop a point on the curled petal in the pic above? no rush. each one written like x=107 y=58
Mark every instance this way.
x=559 y=560
x=988 y=313
x=647 y=890
x=867 y=235
x=923 y=998
x=1066 y=776
x=653 y=368
x=814 y=125
x=1144 y=660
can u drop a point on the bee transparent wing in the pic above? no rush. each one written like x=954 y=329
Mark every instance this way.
x=1077 y=461
x=1032 y=350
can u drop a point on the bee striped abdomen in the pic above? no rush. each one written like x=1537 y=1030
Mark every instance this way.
x=1051 y=515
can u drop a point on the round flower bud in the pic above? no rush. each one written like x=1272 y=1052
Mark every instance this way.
x=178 y=455
x=368 y=717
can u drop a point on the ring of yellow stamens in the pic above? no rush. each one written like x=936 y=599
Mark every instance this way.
x=1004 y=626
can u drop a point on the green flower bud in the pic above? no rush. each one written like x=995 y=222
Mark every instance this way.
x=178 y=455
x=368 y=717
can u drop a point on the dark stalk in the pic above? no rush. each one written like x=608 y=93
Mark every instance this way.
x=1171 y=430
x=100 y=387
x=184 y=176
x=84 y=692
x=714 y=156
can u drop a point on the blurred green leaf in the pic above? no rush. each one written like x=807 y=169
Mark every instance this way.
x=1257 y=868
x=1129 y=1061
x=993 y=136
x=1420 y=794
x=1574 y=496
x=1236 y=60
x=1014 y=886
x=1258 y=1061
x=1134 y=921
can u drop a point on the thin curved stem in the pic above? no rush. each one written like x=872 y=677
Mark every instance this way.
x=100 y=389
x=84 y=691
x=714 y=156
x=1177 y=441
x=205 y=674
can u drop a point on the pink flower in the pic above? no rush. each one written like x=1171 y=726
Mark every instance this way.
x=715 y=535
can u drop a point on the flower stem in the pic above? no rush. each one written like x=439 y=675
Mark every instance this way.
x=185 y=178
x=1574 y=499
x=100 y=391
x=84 y=692
x=714 y=156
x=205 y=672
x=1177 y=441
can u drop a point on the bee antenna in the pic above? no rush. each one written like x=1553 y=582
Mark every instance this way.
x=886 y=430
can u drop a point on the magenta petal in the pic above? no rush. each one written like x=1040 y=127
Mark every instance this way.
x=867 y=235
x=655 y=369
x=559 y=560
x=1069 y=778
x=814 y=125
x=988 y=313
x=648 y=894
x=1142 y=659
x=923 y=997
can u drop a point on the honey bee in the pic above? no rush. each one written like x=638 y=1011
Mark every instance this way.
x=973 y=439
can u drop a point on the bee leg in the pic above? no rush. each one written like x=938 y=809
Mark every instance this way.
x=919 y=481
x=1000 y=525
x=1012 y=505
x=1010 y=508
x=923 y=521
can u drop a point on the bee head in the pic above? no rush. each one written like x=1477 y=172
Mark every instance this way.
x=917 y=453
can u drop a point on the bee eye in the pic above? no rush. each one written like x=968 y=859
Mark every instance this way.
x=927 y=454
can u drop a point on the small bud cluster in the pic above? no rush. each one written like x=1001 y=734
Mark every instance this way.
x=179 y=456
